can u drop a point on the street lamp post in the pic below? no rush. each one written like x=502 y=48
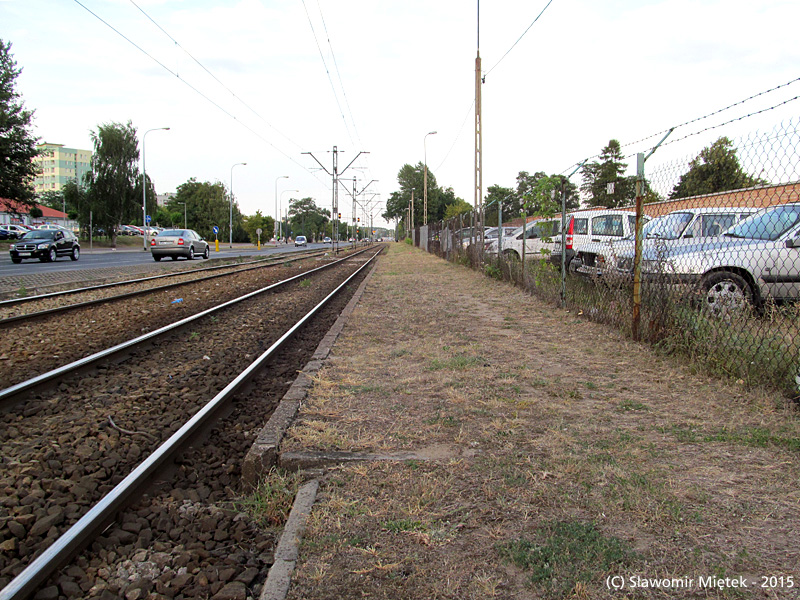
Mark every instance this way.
x=144 y=187
x=277 y=214
x=230 y=220
x=425 y=188
x=282 y=193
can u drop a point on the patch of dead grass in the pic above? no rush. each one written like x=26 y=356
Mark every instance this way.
x=551 y=419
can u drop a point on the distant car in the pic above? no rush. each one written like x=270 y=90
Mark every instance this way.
x=326 y=240
x=52 y=226
x=300 y=240
x=13 y=231
x=538 y=238
x=178 y=242
x=46 y=245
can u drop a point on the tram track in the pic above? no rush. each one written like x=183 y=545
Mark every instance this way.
x=11 y=310
x=29 y=347
x=142 y=398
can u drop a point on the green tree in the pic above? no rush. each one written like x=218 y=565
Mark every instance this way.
x=715 y=169
x=459 y=207
x=412 y=179
x=308 y=219
x=495 y=195
x=206 y=204
x=604 y=182
x=112 y=182
x=52 y=198
x=258 y=221
x=17 y=143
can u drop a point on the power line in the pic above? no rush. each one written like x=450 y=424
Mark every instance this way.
x=520 y=37
x=202 y=66
x=194 y=89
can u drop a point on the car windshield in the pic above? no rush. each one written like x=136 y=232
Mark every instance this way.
x=40 y=234
x=768 y=225
x=668 y=227
x=173 y=233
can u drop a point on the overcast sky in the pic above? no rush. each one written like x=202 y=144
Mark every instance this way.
x=586 y=71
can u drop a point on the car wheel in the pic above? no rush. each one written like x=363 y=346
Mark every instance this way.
x=510 y=255
x=76 y=253
x=725 y=293
x=206 y=253
x=16 y=261
x=157 y=258
x=52 y=255
x=574 y=265
x=191 y=253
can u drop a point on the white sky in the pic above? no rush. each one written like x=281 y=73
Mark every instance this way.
x=586 y=72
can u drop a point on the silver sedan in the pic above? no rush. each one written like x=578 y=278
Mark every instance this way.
x=178 y=242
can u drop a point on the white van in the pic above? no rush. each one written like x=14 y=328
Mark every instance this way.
x=586 y=227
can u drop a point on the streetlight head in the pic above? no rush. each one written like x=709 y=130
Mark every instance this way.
x=166 y=128
x=433 y=132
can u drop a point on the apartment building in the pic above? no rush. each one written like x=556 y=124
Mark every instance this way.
x=57 y=165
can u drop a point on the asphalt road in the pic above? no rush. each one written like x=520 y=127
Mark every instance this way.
x=127 y=256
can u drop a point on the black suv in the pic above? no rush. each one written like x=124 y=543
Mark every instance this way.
x=46 y=245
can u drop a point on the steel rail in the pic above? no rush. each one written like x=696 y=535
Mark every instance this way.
x=102 y=513
x=8 y=394
x=91 y=288
x=66 y=308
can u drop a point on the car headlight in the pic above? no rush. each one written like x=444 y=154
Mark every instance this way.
x=12 y=247
x=42 y=246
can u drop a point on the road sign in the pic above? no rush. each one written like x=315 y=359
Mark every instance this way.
x=216 y=230
x=258 y=231
x=147 y=219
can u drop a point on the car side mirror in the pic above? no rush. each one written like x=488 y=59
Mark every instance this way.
x=793 y=242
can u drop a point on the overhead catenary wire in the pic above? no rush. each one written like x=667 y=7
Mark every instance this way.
x=518 y=40
x=197 y=91
x=202 y=66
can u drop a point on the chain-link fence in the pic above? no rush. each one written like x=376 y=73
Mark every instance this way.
x=709 y=275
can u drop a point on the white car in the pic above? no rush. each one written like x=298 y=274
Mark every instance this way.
x=538 y=237
x=679 y=228
x=300 y=240
x=589 y=227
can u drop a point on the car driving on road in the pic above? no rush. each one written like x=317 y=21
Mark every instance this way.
x=46 y=245
x=300 y=240
x=178 y=242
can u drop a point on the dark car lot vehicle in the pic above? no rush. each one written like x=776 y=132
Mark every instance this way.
x=10 y=231
x=300 y=240
x=46 y=245
x=175 y=243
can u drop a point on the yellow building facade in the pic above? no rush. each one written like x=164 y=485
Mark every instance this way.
x=57 y=165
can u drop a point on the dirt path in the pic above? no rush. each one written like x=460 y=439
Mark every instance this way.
x=553 y=457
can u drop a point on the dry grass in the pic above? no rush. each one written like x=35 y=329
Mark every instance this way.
x=552 y=434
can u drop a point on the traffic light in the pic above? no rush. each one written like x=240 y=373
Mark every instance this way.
x=340 y=216
x=358 y=220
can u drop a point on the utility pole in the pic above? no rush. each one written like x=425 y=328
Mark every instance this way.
x=478 y=143
x=335 y=175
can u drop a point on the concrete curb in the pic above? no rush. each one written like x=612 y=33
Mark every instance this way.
x=286 y=554
x=263 y=454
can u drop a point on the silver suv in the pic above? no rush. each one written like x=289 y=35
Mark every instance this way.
x=756 y=259
x=679 y=228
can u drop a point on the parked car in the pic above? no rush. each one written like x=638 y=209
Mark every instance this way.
x=591 y=226
x=538 y=236
x=756 y=259
x=46 y=245
x=300 y=240
x=680 y=227
x=13 y=231
x=178 y=242
x=326 y=240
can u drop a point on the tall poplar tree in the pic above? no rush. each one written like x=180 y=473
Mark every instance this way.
x=17 y=143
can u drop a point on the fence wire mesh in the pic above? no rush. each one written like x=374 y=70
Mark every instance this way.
x=718 y=272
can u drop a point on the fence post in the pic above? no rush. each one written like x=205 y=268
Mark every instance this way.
x=637 y=256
